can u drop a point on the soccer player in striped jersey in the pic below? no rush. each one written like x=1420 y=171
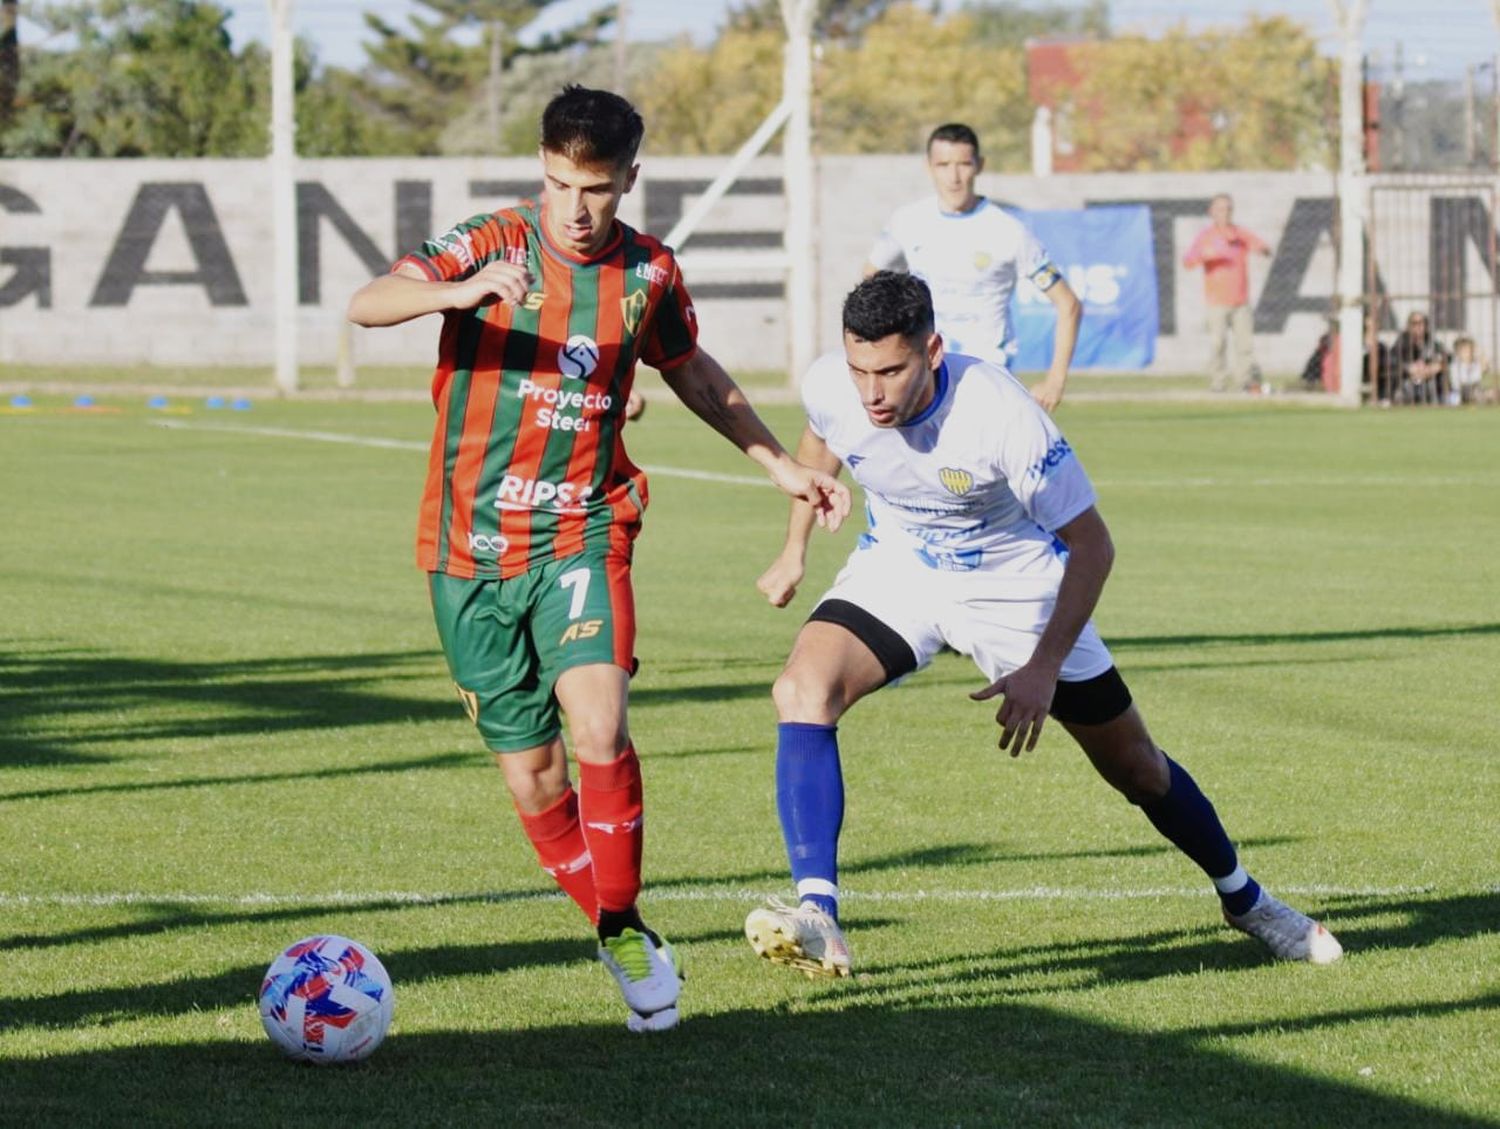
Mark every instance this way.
x=532 y=505
x=984 y=537
x=971 y=253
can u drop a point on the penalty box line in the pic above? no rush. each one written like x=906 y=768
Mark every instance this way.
x=667 y=892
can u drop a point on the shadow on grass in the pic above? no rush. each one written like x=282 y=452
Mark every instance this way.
x=236 y=986
x=948 y=857
x=1257 y=639
x=59 y=707
x=1148 y=956
x=438 y=760
x=827 y=1057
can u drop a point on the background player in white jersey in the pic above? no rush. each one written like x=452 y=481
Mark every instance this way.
x=971 y=252
x=967 y=484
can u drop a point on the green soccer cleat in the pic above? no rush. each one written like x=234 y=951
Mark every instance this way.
x=649 y=975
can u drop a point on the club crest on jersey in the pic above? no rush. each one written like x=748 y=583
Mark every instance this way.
x=982 y=260
x=633 y=311
x=955 y=481
x=578 y=357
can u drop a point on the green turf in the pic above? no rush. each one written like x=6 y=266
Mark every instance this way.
x=224 y=724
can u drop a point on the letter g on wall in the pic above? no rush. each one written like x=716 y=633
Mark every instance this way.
x=31 y=267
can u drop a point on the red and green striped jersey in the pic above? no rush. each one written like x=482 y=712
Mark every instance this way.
x=527 y=462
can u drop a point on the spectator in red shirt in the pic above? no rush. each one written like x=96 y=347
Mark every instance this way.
x=1222 y=249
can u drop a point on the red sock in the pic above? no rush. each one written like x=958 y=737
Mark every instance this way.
x=610 y=797
x=558 y=838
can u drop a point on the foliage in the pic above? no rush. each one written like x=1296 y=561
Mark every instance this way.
x=1016 y=21
x=710 y=101
x=439 y=71
x=146 y=78
x=911 y=71
x=1258 y=96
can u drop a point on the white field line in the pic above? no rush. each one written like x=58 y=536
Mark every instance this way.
x=413 y=445
x=670 y=893
x=1296 y=482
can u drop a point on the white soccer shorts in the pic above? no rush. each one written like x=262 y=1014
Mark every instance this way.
x=994 y=614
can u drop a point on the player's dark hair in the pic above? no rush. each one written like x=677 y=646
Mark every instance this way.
x=889 y=302
x=955 y=132
x=592 y=127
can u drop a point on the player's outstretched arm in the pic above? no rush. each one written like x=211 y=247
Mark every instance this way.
x=702 y=384
x=1049 y=392
x=407 y=293
x=779 y=582
x=1028 y=690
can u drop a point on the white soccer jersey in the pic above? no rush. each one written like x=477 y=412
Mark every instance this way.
x=971 y=262
x=980 y=479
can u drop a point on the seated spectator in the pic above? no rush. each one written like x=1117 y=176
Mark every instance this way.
x=1421 y=364
x=1324 y=355
x=1468 y=373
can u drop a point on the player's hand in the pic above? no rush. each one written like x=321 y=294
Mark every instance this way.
x=1049 y=393
x=498 y=281
x=1028 y=696
x=828 y=497
x=779 y=582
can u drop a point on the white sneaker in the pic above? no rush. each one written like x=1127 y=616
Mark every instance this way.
x=649 y=976
x=1287 y=933
x=804 y=938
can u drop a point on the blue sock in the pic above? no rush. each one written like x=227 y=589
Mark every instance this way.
x=810 y=801
x=1185 y=816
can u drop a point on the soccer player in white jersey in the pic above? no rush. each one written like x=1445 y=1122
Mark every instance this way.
x=971 y=253
x=970 y=491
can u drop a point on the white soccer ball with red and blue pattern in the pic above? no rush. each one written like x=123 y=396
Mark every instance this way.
x=326 y=999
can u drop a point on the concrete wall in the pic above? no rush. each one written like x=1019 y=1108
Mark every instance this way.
x=169 y=262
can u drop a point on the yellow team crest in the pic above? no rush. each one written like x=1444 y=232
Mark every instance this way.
x=955 y=481
x=982 y=260
x=633 y=310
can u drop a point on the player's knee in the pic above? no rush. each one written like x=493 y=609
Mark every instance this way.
x=598 y=738
x=536 y=791
x=802 y=696
x=1140 y=772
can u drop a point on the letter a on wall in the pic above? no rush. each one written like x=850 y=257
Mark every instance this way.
x=126 y=268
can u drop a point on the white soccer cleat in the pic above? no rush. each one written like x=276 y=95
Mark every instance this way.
x=663 y=1020
x=805 y=938
x=649 y=976
x=1289 y=934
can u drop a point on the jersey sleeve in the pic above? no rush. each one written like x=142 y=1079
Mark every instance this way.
x=1043 y=472
x=671 y=338
x=464 y=248
x=816 y=392
x=887 y=252
x=1035 y=263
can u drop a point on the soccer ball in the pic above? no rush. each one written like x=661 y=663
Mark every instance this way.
x=326 y=999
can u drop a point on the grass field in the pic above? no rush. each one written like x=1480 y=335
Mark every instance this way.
x=224 y=724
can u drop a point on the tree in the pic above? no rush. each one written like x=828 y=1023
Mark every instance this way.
x=710 y=101
x=10 y=60
x=453 y=60
x=1013 y=22
x=911 y=71
x=1258 y=96
x=146 y=78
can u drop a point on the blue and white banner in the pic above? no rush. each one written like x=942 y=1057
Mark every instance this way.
x=1107 y=256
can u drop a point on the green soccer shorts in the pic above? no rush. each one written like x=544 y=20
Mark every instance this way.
x=507 y=641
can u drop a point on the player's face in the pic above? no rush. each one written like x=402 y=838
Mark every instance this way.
x=953 y=166
x=1221 y=210
x=894 y=376
x=580 y=201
